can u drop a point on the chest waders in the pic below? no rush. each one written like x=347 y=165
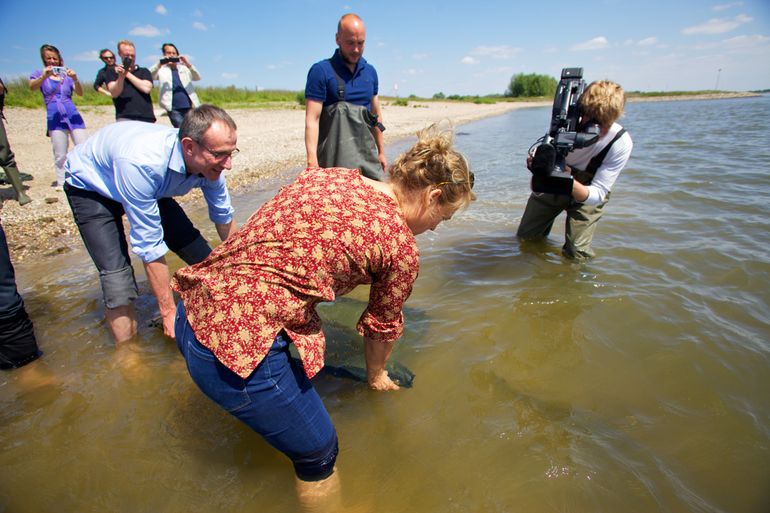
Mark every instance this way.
x=345 y=136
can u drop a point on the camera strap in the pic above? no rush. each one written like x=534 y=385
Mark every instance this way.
x=588 y=173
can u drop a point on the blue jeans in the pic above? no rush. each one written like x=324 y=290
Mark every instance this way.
x=277 y=401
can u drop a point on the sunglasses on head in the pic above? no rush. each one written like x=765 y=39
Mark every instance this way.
x=470 y=181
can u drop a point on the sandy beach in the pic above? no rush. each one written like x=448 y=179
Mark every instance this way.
x=269 y=140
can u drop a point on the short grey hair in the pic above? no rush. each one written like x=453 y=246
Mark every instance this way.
x=200 y=119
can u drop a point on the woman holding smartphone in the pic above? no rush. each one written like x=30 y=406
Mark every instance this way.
x=57 y=83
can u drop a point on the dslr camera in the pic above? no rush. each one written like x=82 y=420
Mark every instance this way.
x=566 y=133
x=166 y=60
x=127 y=63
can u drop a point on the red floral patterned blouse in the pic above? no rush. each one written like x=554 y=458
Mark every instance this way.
x=319 y=238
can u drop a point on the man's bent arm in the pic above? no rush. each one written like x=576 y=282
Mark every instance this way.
x=312 y=120
x=116 y=87
x=157 y=274
x=144 y=86
x=225 y=230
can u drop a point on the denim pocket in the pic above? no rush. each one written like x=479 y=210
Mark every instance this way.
x=219 y=383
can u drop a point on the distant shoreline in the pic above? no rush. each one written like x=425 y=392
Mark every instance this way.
x=685 y=97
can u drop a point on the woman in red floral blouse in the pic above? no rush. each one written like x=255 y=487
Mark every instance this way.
x=319 y=238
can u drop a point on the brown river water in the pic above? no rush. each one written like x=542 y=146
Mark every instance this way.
x=636 y=382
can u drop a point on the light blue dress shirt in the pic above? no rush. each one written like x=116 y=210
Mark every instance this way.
x=137 y=163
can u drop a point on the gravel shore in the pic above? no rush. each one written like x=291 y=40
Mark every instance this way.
x=269 y=140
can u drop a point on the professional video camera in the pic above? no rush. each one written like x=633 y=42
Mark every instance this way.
x=567 y=132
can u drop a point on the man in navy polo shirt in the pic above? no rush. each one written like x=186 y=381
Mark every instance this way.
x=343 y=120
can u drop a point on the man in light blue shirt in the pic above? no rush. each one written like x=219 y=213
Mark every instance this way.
x=135 y=168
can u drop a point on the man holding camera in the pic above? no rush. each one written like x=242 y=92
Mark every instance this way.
x=594 y=168
x=175 y=75
x=130 y=86
x=342 y=109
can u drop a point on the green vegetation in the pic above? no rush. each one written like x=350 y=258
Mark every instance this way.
x=523 y=87
x=20 y=95
x=232 y=97
x=531 y=85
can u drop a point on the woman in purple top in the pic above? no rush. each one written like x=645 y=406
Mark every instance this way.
x=57 y=83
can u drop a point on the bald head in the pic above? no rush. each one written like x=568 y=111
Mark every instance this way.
x=351 y=36
x=349 y=21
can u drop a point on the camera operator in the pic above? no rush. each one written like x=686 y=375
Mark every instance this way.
x=594 y=168
x=175 y=75
x=130 y=86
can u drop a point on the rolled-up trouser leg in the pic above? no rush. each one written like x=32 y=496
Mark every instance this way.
x=100 y=221
x=118 y=287
x=179 y=234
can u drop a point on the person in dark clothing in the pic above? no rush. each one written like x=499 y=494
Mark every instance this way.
x=100 y=82
x=130 y=86
x=18 y=345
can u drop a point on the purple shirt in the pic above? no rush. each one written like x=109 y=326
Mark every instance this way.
x=61 y=112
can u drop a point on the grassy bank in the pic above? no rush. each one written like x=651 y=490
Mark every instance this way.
x=20 y=95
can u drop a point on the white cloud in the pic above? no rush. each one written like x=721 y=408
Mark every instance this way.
x=648 y=41
x=148 y=31
x=469 y=60
x=596 y=43
x=229 y=76
x=722 y=7
x=746 y=41
x=89 y=56
x=717 y=25
x=197 y=25
x=161 y=9
x=496 y=52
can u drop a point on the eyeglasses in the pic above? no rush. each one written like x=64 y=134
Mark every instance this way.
x=220 y=155
x=108 y=57
x=470 y=181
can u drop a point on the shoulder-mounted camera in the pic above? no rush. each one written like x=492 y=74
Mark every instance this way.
x=566 y=133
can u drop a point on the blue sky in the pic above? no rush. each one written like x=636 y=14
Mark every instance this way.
x=456 y=47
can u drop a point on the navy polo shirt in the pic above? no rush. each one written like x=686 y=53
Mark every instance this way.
x=360 y=86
